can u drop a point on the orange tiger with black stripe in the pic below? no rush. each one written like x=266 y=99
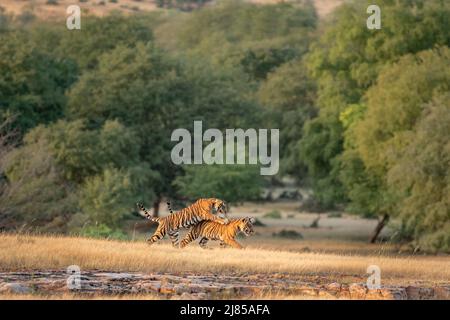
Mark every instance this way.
x=199 y=211
x=211 y=230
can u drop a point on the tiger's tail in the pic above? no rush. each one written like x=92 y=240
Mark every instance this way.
x=145 y=213
x=169 y=207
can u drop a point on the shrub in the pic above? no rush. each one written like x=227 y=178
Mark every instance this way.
x=334 y=215
x=258 y=223
x=288 y=234
x=274 y=214
x=103 y=231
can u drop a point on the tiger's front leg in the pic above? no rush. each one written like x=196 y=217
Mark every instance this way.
x=188 y=238
x=203 y=241
x=233 y=243
x=223 y=245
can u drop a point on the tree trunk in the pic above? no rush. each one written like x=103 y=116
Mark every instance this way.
x=156 y=207
x=378 y=228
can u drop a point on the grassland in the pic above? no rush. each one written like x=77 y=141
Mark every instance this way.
x=26 y=252
x=336 y=250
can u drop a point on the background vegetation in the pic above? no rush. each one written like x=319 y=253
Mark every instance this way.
x=363 y=114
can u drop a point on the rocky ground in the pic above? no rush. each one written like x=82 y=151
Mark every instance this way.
x=209 y=286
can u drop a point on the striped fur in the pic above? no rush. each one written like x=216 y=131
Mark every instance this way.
x=185 y=218
x=211 y=230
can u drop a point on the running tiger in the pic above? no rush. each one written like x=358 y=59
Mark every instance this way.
x=199 y=211
x=211 y=230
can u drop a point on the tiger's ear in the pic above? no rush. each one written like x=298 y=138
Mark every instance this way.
x=251 y=220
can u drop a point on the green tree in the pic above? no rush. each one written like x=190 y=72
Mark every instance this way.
x=34 y=193
x=395 y=106
x=256 y=39
x=82 y=153
x=363 y=188
x=420 y=178
x=152 y=94
x=235 y=183
x=108 y=197
x=345 y=61
x=289 y=95
x=59 y=171
x=32 y=81
x=103 y=34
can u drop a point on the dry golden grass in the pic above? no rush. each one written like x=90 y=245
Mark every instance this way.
x=25 y=252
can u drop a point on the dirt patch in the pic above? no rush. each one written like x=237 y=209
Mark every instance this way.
x=210 y=286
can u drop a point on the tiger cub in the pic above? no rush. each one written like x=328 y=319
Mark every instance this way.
x=199 y=211
x=211 y=230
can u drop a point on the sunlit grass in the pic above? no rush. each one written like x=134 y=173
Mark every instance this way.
x=27 y=252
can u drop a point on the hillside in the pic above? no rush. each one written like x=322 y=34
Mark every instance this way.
x=56 y=9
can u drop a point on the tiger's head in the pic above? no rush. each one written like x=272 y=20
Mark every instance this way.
x=219 y=207
x=246 y=225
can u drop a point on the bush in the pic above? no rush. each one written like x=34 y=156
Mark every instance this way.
x=233 y=183
x=335 y=215
x=288 y=234
x=274 y=214
x=311 y=204
x=103 y=231
x=52 y=2
x=108 y=197
x=258 y=223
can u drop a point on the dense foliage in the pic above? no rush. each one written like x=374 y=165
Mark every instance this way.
x=363 y=114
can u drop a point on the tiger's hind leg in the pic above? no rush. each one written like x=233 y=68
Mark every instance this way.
x=174 y=238
x=158 y=235
x=188 y=238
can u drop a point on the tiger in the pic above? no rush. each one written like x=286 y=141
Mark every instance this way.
x=211 y=230
x=199 y=211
